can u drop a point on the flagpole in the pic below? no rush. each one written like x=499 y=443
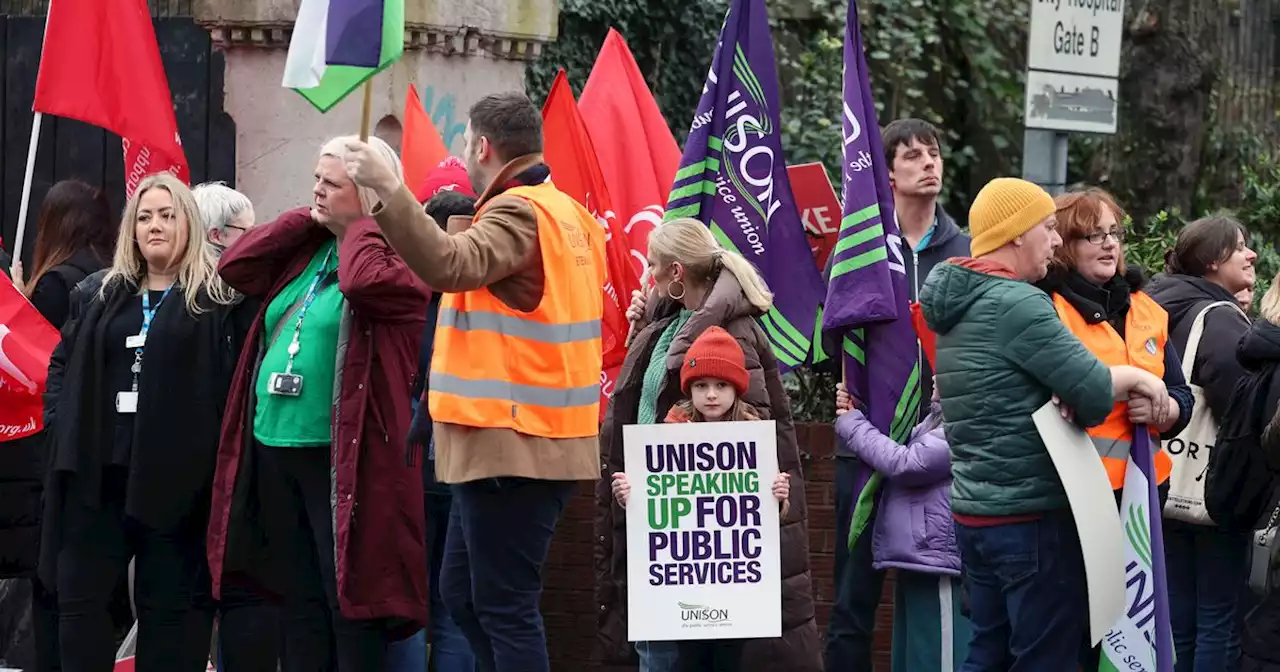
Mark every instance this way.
x=31 y=155
x=26 y=186
x=367 y=110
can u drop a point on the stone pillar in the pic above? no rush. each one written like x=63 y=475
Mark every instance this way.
x=456 y=51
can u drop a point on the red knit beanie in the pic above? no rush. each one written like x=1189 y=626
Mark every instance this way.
x=450 y=175
x=715 y=354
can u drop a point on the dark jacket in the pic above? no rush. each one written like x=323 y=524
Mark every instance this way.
x=23 y=462
x=1216 y=369
x=1260 y=349
x=799 y=648
x=1110 y=303
x=419 y=437
x=1002 y=354
x=946 y=242
x=182 y=394
x=52 y=293
x=378 y=491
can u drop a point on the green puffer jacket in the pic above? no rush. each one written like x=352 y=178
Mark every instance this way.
x=1002 y=354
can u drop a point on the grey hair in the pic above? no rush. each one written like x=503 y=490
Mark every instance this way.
x=219 y=204
x=337 y=148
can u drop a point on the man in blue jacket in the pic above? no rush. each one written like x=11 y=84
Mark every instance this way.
x=913 y=152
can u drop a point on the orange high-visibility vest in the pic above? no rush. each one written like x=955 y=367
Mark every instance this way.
x=1146 y=331
x=537 y=373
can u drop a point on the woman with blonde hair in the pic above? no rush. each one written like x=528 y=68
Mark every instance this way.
x=698 y=285
x=133 y=406
x=316 y=495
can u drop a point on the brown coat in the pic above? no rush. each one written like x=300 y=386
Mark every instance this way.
x=799 y=649
x=498 y=250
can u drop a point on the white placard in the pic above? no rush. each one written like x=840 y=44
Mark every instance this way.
x=1058 y=102
x=703 y=557
x=1079 y=37
x=1093 y=506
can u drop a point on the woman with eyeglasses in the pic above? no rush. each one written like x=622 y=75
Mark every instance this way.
x=1101 y=301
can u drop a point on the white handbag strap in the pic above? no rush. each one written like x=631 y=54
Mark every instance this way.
x=1197 y=331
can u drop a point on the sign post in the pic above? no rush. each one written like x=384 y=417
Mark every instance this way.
x=1073 y=66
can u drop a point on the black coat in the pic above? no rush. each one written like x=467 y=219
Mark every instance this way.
x=1216 y=369
x=23 y=462
x=1259 y=350
x=183 y=393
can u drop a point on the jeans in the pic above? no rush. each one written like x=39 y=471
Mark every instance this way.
x=295 y=490
x=175 y=607
x=1206 y=569
x=858 y=585
x=449 y=650
x=657 y=656
x=248 y=631
x=1028 y=598
x=715 y=655
x=408 y=655
x=500 y=530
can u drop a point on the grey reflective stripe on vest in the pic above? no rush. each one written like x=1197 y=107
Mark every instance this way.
x=510 y=325
x=530 y=395
x=1116 y=449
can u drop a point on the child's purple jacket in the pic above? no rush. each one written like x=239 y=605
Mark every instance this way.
x=914 y=529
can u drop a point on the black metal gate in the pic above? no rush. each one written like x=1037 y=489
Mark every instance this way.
x=70 y=149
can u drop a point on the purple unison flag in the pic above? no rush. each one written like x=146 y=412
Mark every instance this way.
x=353 y=33
x=867 y=294
x=733 y=177
x=1141 y=454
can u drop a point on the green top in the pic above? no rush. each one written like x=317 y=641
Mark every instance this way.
x=304 y=420
x=1002 y=353
x=656 y=373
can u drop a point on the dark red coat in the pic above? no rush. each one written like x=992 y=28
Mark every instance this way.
x=381 y=556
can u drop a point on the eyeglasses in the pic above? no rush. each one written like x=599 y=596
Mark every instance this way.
x=237 y=228
x=1097 y=237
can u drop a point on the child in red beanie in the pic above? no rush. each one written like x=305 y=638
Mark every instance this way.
x=713 y=378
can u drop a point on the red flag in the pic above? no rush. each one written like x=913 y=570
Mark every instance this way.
x=928 y=339
x=27 y=341
x=101 y=65
x=422 y=149
x=637 y=153
x=569 y=153
x=141 y=160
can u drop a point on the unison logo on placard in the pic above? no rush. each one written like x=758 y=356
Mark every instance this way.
x=700 y=614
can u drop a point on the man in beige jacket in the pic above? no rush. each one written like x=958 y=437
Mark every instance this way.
x=515 y=374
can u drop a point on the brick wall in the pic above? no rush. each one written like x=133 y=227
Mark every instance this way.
x=568 y=604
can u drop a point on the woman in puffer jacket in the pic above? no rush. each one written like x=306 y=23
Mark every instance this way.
x=914 y=534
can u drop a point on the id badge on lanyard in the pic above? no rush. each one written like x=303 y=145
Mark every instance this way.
x=287 y=383
x=127 y=401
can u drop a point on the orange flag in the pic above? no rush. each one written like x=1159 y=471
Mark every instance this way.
x=576 y=171
x=421 y=146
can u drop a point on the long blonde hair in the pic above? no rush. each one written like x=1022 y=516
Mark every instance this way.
x=197 y=269
x=1269 y=307
x=690 y=243
x=337 y=148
